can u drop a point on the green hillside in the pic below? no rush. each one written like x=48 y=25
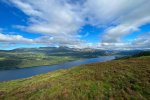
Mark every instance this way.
x=113 y=80
x=29 y=57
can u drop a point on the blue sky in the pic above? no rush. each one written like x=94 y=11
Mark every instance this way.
x=99 y=24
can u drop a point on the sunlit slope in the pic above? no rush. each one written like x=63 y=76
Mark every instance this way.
x=114 y=80
x=29 y=57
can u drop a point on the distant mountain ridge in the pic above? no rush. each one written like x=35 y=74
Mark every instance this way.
x=67 y=49
x=28 y=57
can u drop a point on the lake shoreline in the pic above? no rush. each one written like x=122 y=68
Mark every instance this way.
x=32 y=71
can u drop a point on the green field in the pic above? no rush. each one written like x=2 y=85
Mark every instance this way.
x=22 y=58
x=126 y=79
x=31 y=57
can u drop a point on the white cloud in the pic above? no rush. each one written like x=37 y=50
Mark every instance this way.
x=61 y=20
x=51 y=16
x=26 y=8
x=14 y=39
x=128 y=22
x=142 y=41
x=59 y=40
x=58 y=19
x=46 y=40
x=126 y=17
x=105 y=12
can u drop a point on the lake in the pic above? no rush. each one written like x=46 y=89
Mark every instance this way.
x=28 y=72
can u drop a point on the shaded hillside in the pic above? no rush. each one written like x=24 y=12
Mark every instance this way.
x=29 y=57
x=144 y=53
x=113 y=80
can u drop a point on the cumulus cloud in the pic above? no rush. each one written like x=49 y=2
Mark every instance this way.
x=61 y=41
x=128 y=22
x=48 y=40
x=142 y=41
x=14 y=39
x=61 y=20
x=58 y=19
x=107 y=11
x=51 y=16
x=120 y=17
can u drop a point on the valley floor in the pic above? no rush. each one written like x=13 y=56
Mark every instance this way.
x=113 y=80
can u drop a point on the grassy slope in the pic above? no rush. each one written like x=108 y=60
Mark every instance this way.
x=30 y=59
x=114 y=80
x=39 y=57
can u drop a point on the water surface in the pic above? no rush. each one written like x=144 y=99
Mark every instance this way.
x=28 y=72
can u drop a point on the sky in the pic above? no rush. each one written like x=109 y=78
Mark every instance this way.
x=99 y=24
